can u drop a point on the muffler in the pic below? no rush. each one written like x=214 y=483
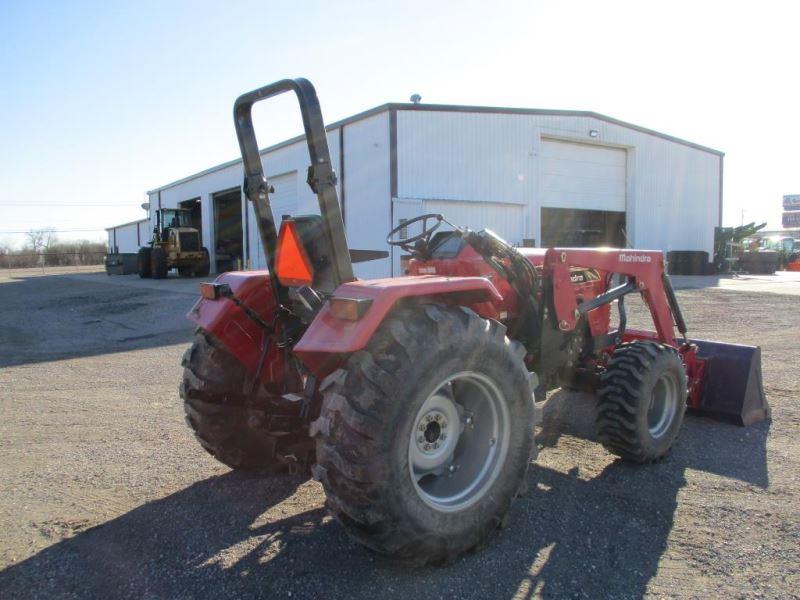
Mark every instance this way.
x=733 y=390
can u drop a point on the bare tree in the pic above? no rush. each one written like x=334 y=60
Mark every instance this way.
x=40 y=240
x=35 y=239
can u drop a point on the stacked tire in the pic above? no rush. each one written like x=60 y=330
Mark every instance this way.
x=762 y=263
x=688 y=262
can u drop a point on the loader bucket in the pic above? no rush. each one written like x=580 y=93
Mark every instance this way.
x=733 y=390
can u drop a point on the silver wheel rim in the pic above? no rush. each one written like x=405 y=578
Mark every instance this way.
x=663 y=405
x=459 y=441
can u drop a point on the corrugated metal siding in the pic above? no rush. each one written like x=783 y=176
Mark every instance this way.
x=506 y=220
x=456 y=156
x=126 y=240
x=367 y=191
x=672 y=190
x=145 y=232
x=283 y=201
x=580 y=175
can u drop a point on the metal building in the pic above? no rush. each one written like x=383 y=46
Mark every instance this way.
x=128 y=237
x=543 y=177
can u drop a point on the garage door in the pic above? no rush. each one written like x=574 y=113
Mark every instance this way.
x=582 y=176
x=283 y=202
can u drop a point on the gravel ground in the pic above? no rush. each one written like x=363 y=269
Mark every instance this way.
x=104 y=493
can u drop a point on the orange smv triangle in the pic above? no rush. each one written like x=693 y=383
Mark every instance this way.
x=291 y=261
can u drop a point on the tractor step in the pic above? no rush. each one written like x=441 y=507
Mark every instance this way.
x=733 y=388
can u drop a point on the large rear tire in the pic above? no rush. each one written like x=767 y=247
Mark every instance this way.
x=143 y=262
x=159 y=262
x=215 y=390
x=425 y=437
x=641 y=401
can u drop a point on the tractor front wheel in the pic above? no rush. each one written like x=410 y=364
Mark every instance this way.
x=641 y=401
x=425 y=437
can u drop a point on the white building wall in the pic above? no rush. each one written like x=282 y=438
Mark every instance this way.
x=367 y=190
x=124 y=239
x=480 y=169
x=672 y=190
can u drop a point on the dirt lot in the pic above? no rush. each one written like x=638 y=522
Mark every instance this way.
x=104 y=493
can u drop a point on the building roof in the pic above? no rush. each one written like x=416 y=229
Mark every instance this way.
x=390 y=106
x=128 y=223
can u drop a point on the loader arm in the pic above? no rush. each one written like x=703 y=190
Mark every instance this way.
x=724 y=380
x=645 y=272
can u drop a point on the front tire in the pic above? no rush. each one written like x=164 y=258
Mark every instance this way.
x=392 y=479
x=641 y=401
x=159 y=261
x=144 y=262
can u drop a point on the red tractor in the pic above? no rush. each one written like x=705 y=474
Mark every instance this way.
x=412 y=399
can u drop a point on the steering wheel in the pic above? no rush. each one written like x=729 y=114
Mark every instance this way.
x=425 y=236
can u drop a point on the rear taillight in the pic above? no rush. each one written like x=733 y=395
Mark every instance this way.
x=212 y=291
x=292 y=265
x=349 y=309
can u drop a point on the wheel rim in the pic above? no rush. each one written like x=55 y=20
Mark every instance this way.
x=459 y=441
x=663 y=405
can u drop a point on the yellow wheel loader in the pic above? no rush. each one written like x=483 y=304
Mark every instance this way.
x=175 y=245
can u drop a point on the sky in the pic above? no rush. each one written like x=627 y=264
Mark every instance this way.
x=102 y=101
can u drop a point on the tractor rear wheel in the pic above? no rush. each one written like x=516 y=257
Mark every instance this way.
x=214 y=390
x=641 y=401
x=425 y=437
x=143 y=262
x=159 y=262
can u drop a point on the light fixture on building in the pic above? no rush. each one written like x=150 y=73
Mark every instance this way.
x=593 y=133
x=416 y=98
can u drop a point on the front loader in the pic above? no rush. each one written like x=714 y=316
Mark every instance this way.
x=175 y=245
x=412 y=399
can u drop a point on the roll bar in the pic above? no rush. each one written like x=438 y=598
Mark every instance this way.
x=321 y=176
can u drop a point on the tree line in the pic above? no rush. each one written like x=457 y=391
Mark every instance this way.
x=43 y=248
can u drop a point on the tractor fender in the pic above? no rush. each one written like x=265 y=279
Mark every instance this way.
x=229 y=324
x=329 y=339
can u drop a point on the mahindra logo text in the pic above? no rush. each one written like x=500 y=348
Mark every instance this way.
x=642 y=258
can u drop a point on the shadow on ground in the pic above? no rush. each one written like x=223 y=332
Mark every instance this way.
x=572 y=535
x=54 y=317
